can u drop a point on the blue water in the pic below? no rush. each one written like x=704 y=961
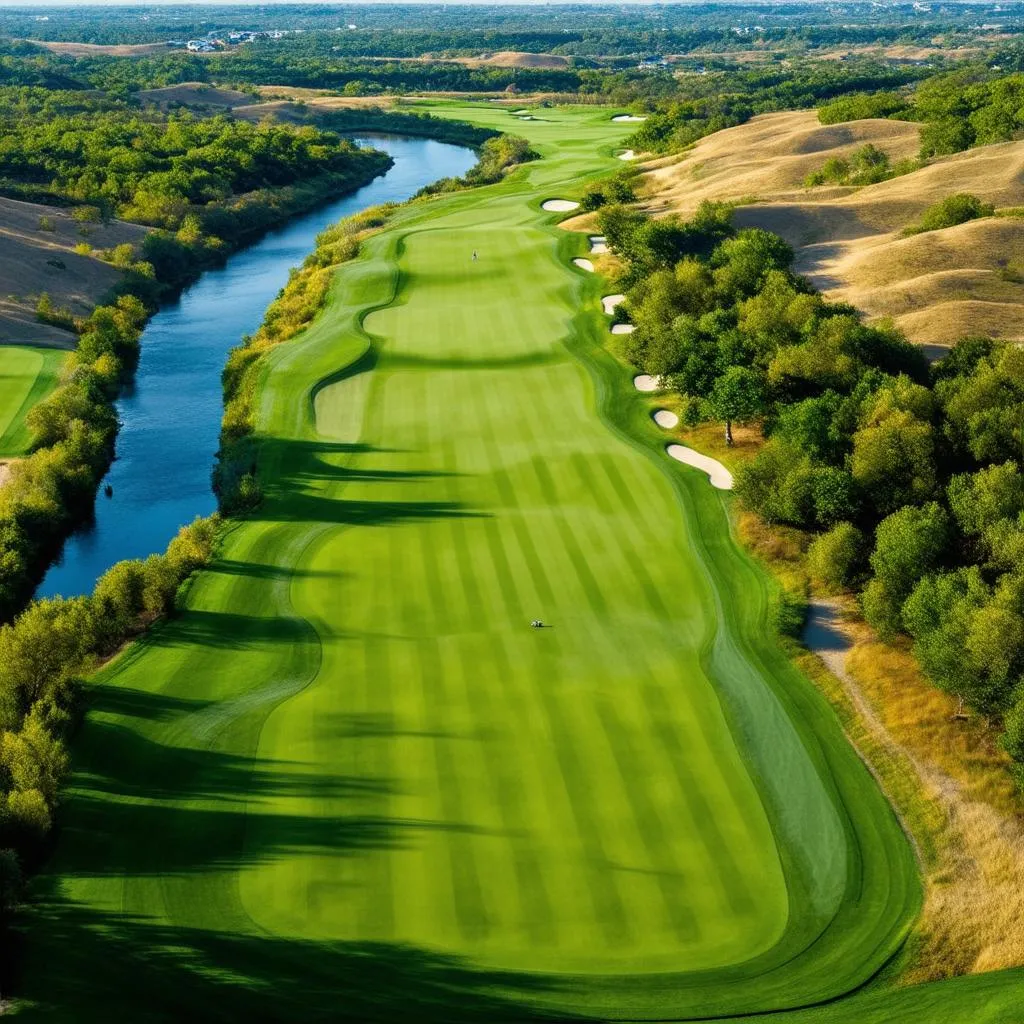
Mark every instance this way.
x=171 y=415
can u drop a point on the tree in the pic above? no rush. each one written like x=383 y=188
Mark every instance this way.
x=834 y=559
x=909 y=543
x=739 y=394
x=893 y=461
x=980 y=500
x=742 y=263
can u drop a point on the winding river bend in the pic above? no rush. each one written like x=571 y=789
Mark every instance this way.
x=171 y=415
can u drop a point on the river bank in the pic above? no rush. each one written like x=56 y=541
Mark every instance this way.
x=170 y=415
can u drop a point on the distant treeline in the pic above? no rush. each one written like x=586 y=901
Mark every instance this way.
x=411 y=30
x=708 y=103
x=974 y=106
x=906 y=476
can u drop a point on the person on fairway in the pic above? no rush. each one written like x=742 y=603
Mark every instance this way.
x=474 y=255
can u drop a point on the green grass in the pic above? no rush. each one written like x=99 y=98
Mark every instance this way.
x=27 y=376
x=351 y=783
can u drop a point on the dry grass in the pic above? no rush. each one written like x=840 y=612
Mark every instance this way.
x=936 y=286
x=97 y=50
x=974 y=901
x=517 y=59
x=34 y=261
x=194 y=94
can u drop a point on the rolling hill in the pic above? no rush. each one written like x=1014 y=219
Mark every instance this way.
x=936 y=286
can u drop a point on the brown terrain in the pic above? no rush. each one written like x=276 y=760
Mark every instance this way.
x=97 y=50
x=936 y=286
x=30 y=263
x=194 y=94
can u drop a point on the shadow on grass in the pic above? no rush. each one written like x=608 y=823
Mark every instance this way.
x=392 y=361
x=85 y=965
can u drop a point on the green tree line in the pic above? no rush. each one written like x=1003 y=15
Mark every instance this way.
x=44 y=654
x=906 y=476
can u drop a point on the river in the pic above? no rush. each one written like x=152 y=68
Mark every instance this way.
x=170 y=416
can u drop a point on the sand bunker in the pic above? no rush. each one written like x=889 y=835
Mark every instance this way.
x=667 y=419
x=628 y=155
x=598 y=244
x=583 y=264
x=559 y=205
x=628 y=117
x=645 y=382
x=719 y=476
x=609 y=302
x=623 y=328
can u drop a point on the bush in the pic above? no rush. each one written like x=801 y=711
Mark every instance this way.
x=836 y=559
x=948 y=212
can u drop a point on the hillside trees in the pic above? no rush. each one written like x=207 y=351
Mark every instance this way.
x=908 y=477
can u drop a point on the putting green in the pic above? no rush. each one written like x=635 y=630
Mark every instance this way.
x=351 y=782
x=27 y=376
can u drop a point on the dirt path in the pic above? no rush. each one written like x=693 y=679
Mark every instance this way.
x=973 y=890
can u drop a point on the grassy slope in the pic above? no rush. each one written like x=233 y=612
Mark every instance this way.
x=27 y=376
x=351 y=779
x=937 y=286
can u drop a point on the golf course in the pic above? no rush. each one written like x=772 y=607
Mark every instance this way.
x=350 y=782
x=29 y=375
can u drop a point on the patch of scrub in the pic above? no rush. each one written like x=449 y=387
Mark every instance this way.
x=623 y=328
x=627 y=155
x=719 y=476
x=558 y=205
x=645 y=382
x=583 y=264
x=598 y=244
x=628 y=117
x=609 y=302
x=666 y=418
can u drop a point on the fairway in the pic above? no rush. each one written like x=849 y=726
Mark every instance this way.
x=352 y=782
x=27 y=376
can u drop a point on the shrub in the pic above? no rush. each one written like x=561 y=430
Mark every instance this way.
x=836 y=559
x=948 y=212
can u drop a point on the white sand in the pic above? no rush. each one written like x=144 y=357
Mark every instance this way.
x=646 y=383
x=559 y=205
x=525 y=110
x=665 y=418
x=628 y=117
x=623 y=328
x=598 y=244
x=719 y=476
x=628 y=155
x=527 y=117
x=609 y=302
x=583 y=264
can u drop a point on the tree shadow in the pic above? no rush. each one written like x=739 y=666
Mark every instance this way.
x=263 y=571
x=232 y=630
x=405 y=360
x=87 y=965
x=309 y=508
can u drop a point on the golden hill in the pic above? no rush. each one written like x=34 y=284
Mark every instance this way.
x=937 y=286
x=35 y=260
x=194 y=94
